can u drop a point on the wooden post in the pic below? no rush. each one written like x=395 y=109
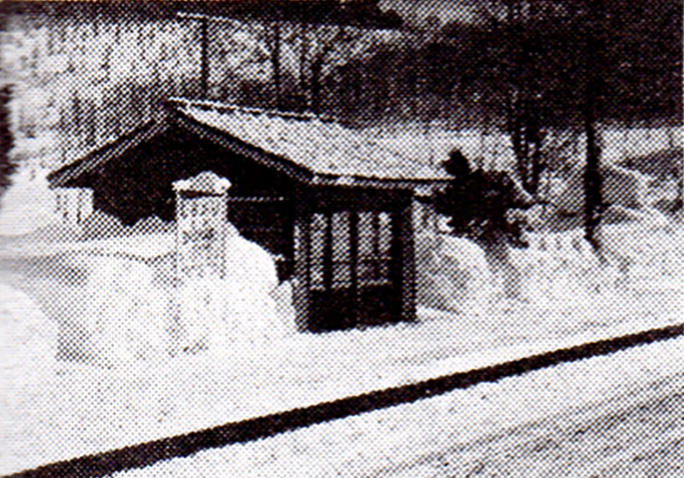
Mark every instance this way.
x=204 y=57
x=404 y=227
x=354 y=255
x=302 y=272
x=328 y=252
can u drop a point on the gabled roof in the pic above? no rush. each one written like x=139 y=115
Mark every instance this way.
x=307 y=148
x=81 y=167
x=321 y=146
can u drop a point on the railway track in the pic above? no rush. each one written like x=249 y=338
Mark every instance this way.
x=146 y=454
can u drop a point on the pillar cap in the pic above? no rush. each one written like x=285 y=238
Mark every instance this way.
x=206 y=182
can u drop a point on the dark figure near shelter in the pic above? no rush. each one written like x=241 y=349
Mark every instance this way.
x=488 y=208
x=7 y=165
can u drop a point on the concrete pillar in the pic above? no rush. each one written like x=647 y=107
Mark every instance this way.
x=201 y=233
x=202 y=225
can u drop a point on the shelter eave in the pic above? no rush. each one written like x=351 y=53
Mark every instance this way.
x=68 y=175
x=377 y=183
x=289 y=167
x=291 y=143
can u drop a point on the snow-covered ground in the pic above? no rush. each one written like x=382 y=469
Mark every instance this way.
x=76 y=409
x=72 y=407
x=609 y=416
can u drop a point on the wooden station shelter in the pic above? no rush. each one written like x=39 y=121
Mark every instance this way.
x=332 y=203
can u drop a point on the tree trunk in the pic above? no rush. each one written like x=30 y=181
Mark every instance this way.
x=204 y=59
x=7 y=164
x=275 y=61
x=315 y=84
x=592 y=173
x=303 y=54
x=524 y=96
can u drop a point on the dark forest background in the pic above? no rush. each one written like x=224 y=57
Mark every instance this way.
x=514 y=54
x=527 y=70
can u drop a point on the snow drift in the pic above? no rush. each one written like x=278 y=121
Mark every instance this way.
x=453 y=274
x=133 y=307
x=123 y=316
x=558 y=270
x=28 y=340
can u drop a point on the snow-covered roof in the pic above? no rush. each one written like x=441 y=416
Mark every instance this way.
x=68 y=174
x=311 y=149
x=322 y=147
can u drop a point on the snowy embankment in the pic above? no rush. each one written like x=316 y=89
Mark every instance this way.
x=615 y=415
x=28 y=342
x=80 y=409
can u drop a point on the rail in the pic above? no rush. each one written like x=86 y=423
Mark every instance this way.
x=146 y=454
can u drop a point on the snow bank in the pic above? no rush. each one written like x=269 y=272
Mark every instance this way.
x=28 y=204
x=559 y=270
x=28 y=341
x=256 y=305
x=126 y=312
x=562 y=270
x=452 y=274
x=651 y=254
x=123 y=316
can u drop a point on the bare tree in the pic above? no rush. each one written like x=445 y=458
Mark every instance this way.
x=510 y=65
x=330 y=46
x=593 y=51
x=275 y=60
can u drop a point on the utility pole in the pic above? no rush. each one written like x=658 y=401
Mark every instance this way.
x=204 y=57
x=275 y=60
x=593 y=53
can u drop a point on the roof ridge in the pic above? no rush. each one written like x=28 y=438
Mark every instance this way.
x=222 y=107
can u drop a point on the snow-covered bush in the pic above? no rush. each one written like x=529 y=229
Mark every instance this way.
x=452 y=274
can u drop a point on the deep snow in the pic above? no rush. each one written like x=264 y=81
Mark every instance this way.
x=576 y=419
x=76 y=406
